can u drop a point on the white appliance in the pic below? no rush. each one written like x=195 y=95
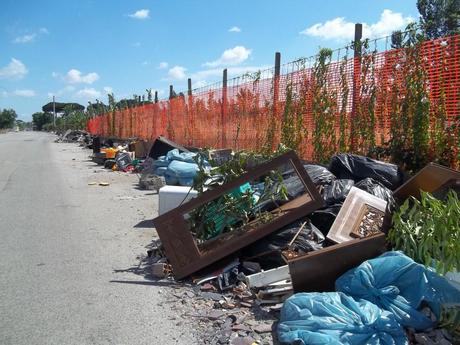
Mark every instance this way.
x=170 y=197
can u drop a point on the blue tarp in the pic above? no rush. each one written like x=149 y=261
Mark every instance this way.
x=396 y=283
x=335 y=318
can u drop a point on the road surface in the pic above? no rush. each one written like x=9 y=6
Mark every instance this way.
x=69 y=251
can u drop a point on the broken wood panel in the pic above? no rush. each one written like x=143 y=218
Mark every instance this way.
x=318 y=270
x=175 y=234
x=429 y=179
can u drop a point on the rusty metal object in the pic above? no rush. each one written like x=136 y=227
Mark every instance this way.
x=429 y=179
x=318 y=270
x=187 y=257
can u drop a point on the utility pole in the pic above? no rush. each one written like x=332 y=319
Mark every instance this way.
x=54 y=113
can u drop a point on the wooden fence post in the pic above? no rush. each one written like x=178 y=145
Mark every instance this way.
x=224 y=107
x=356 y=81
x=189 y=85
x=276 y=86
x=156 y=96
x=189 y=110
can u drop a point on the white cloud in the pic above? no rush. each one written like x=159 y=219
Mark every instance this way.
x=234 y=29
x=342 y=30
x=140 y=14
x=24 y=93
x=231 y=72
x=25 y=38
x=233 y=56
x=74 y=76
x=28 y=38
x=177 y=73
x=108 y=89
x=14 y=70
x=65 y=90
x=163 y=65
x=19 y=93
x=88 y=93
x=199 y=83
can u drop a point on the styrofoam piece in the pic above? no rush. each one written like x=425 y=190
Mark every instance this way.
x=265 y=278
x=348 y=217
x=170 y=197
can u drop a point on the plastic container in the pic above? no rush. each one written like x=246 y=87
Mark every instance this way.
x=110 y=152
x=170 y=197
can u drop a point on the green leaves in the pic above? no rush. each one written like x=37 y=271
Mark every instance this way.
x=428 y=230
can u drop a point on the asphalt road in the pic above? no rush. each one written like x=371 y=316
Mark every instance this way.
x=68 y=251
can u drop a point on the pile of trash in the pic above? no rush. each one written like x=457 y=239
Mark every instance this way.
x=75 y=136
x=330 y=248
x=299 y=242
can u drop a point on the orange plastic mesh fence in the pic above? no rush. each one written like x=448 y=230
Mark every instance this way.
x=345 y=104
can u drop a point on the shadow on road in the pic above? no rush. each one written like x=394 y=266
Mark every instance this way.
x=146 y=223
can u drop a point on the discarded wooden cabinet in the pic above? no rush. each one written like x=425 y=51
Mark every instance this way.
x=318 y=270
x=187 y=256
x=430 y=179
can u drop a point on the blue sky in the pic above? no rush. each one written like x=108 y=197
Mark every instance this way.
x=80 y=50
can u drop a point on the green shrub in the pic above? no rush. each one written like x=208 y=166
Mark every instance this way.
x=428 y=230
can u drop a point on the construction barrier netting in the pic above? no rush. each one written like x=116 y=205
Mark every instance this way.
x=329 y=103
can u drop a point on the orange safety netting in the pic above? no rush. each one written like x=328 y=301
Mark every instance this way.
x=354 y=102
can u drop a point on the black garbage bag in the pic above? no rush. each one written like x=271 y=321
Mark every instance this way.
x=267 y=251
x=319 y=174
x=337 y=191
x=325 y=217
x=357 y=168
x=294 y=187
x=380 y=191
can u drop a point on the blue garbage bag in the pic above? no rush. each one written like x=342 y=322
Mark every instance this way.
x=175 y=155
x=161 y=162
x=183 y=169
x=160 y=171
x=398 y=284
x=170 y=178
x=335 y=318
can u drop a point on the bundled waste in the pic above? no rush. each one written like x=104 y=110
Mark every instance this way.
x=74 y=136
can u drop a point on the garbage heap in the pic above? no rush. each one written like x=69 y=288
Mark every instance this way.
x=315 y=244
x=75 y=136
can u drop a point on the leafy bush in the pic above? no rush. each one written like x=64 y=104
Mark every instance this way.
x=428 y=230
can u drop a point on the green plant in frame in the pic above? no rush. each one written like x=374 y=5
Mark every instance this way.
x=238 y=208
x=428 y=230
